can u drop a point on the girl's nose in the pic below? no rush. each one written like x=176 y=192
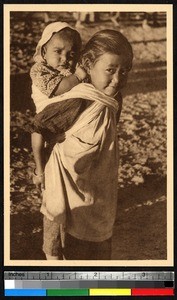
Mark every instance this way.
x=115 y=78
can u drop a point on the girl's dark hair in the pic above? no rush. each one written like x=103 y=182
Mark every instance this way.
x=106 y=41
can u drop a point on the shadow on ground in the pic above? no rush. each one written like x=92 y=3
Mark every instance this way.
x=26 y=244
x=140 y=228
x=139 y=232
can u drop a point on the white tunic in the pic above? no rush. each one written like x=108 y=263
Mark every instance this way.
x=81 y=173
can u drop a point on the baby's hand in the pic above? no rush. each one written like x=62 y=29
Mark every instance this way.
x=63 y=71
x=38 y=180
x=80 y=73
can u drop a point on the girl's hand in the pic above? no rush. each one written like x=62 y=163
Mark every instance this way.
x=38 y=180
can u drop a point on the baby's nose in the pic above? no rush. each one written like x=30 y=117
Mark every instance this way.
x=63 y=57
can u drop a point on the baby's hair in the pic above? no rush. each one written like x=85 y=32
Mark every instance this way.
x=70 y=34
x=105 y=41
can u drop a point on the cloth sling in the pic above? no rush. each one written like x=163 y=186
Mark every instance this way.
x=77 y=174
x=82 y=90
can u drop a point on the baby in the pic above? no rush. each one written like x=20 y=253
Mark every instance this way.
x=54 y=73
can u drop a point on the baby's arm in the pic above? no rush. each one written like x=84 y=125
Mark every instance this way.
x=38 y=152
x=53 y=82
x=67 y=83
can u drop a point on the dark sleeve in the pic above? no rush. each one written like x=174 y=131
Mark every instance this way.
x=45 y=78
x=56 y=118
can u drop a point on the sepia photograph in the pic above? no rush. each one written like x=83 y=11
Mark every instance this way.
x=88 y=110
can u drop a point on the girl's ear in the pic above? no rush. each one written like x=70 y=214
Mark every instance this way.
x=87 y=64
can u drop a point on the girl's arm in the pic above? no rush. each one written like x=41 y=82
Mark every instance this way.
x=67 y=83
x=38 y=152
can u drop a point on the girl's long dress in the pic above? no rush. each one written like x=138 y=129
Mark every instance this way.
x=81 y=173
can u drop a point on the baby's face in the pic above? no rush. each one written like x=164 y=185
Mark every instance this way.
x=59 y=53
x=110 y=72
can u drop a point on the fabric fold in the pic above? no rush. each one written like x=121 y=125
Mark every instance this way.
x=83 y=90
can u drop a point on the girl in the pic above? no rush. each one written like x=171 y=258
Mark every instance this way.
x=81 y=173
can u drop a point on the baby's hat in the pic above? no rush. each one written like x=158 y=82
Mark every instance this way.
x=46 y=35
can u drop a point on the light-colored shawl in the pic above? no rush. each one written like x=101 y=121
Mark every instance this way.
x=83 y=168
x=82 y=90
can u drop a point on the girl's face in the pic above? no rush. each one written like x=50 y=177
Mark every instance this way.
x=109 y=73
x=60 y=53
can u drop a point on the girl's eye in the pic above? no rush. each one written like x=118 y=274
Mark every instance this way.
x=71 y=54
x=110 y=71
x=124 y=72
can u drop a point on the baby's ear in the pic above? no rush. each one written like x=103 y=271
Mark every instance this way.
x=43 y=52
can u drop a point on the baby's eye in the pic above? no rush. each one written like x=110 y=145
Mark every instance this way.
x=57 y=51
